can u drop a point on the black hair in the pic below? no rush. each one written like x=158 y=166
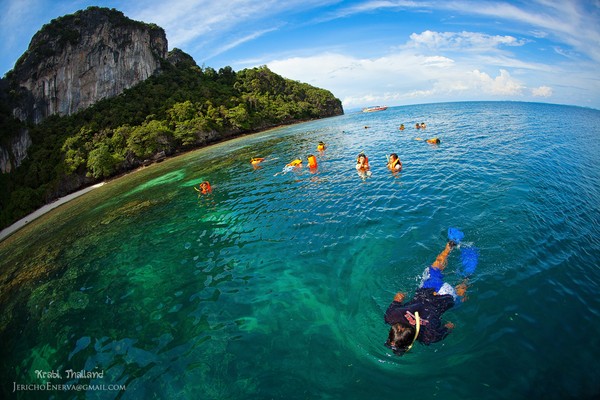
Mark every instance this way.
x=400 y=338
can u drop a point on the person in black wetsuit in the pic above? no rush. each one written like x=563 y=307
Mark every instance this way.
x=420 y=318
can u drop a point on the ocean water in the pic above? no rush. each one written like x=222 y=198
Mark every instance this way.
x=274 y=285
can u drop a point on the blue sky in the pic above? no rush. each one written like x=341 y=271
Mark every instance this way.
x=371 y=52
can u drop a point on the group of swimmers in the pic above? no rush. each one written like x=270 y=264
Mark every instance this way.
x=417 y=126
x=394 y=163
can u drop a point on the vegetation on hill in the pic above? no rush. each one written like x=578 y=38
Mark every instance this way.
x=182 y=108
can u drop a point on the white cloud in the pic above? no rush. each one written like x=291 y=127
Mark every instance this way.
x=237 y=42
x=398 y=78
x=573 y=22
x=503 y=84
x=542 y=91
x=189 y=22
x=464 y=41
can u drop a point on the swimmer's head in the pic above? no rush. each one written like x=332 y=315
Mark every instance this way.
x=393 y=156
x=400 y=338
x=361 y=155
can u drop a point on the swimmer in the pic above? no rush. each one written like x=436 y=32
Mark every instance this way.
x=417 y=126
x=423 y=125
x=420 y=318
x=401 y=127
x=312 y=162
x=394 y=163
x=362 y=162
x=256 y=160
x=321 y=146
x=430 y=141
x=362 y=166
x=296 y=163
x=203 y=188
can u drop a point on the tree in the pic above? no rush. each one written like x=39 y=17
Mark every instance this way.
x=181 y=112
x=150 y=138
x=238 y=117
x=102 y=162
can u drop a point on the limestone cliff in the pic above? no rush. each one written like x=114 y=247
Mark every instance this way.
x=12 y=157
x=78 y=59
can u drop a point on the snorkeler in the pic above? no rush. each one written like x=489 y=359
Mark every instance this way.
x=295 y=164
x=434 y=140
x=203 y=188
x=420 y=318
x=394 y=163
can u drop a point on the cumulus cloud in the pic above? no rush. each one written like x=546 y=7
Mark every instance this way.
x=503 y=84
x=397 y=78
x=542 y=91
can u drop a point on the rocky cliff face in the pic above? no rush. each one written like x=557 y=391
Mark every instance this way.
x=18 y=151
x=76 y=60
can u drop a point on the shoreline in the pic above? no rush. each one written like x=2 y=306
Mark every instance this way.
x=6 y=232
x=14 y=227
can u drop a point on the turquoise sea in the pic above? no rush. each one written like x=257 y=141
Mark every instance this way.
x=274 y=285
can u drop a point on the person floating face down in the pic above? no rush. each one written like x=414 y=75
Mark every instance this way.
x=362 y=162
x=295 y=163
x=394 y=163
x=420 y=318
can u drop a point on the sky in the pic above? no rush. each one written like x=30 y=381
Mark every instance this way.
x=371 y=52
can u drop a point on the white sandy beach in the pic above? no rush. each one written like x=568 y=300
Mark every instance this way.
x=38 y=213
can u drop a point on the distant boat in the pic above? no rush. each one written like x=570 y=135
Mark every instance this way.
x=374 y=108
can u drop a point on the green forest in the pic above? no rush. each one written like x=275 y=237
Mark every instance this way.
x=182 y=108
